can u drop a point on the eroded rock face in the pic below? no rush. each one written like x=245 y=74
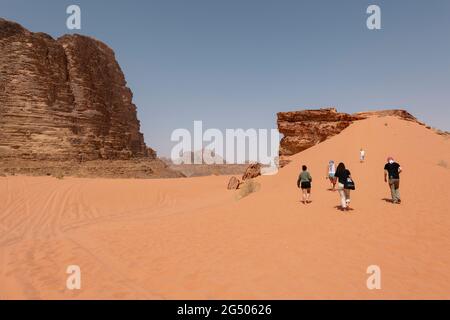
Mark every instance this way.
x=306 y=128
x=252 y=171
x=64 y=99
x=233 y=183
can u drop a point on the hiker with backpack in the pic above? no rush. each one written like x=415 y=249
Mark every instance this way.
x=304 y=182
x=345 y=184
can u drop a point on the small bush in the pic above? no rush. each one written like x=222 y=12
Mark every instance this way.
x=248 y=187
x=58 y=175
x=443 y=164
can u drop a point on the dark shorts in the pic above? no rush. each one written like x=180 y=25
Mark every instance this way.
x=306 y=185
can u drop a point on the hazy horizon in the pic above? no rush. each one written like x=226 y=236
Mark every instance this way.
x=235 y=65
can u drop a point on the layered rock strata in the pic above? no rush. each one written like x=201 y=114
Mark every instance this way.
x=64 y=99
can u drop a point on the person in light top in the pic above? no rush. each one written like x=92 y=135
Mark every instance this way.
x=331 y=170
x=362 y=155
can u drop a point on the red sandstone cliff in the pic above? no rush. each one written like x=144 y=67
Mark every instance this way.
x=64 y=99
x=304 y=129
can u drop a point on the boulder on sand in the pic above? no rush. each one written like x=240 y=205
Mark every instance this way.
x=253 y=171
x=233 y=184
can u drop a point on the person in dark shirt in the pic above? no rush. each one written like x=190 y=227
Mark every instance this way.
x=392 y=172
x=342 y=174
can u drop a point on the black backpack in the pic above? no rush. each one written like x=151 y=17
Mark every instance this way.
x=349 y=184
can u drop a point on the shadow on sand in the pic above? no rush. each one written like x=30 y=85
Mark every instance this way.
x=340 y=209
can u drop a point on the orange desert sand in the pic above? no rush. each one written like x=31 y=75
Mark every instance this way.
x=191 y=238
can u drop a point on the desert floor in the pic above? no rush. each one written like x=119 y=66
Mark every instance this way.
x=191 y=238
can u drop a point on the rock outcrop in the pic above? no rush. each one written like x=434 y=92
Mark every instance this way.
x=403 y=114
x=252 y=171
x=64 y=99
x=233 y=183
x=306 y=128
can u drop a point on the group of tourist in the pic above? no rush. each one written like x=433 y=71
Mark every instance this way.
x=341 y=177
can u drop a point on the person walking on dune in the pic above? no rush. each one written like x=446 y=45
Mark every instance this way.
x=392 y=170
x=345 y=184
x=331 y=170
x=304 y=182
x=362 y=155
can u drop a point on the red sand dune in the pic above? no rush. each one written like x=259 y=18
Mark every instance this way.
x=190 y=238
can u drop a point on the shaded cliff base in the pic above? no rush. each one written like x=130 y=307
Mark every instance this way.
x=201 y=170
x=143 y=168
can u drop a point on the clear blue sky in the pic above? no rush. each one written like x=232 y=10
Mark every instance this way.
x=235 y=63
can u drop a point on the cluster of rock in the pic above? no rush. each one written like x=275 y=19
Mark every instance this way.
x=64 y=99
x=252 y=171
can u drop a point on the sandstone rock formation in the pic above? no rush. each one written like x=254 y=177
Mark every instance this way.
x=252 y=171
x=306 y=128
x=233 y=183
x=403 y=114
x=64 y=99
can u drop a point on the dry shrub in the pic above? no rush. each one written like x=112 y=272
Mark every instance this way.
x=248 y=187
x=58 y=175
x=443 y=164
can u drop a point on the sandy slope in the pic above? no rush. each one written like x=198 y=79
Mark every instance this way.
x=189 y=238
